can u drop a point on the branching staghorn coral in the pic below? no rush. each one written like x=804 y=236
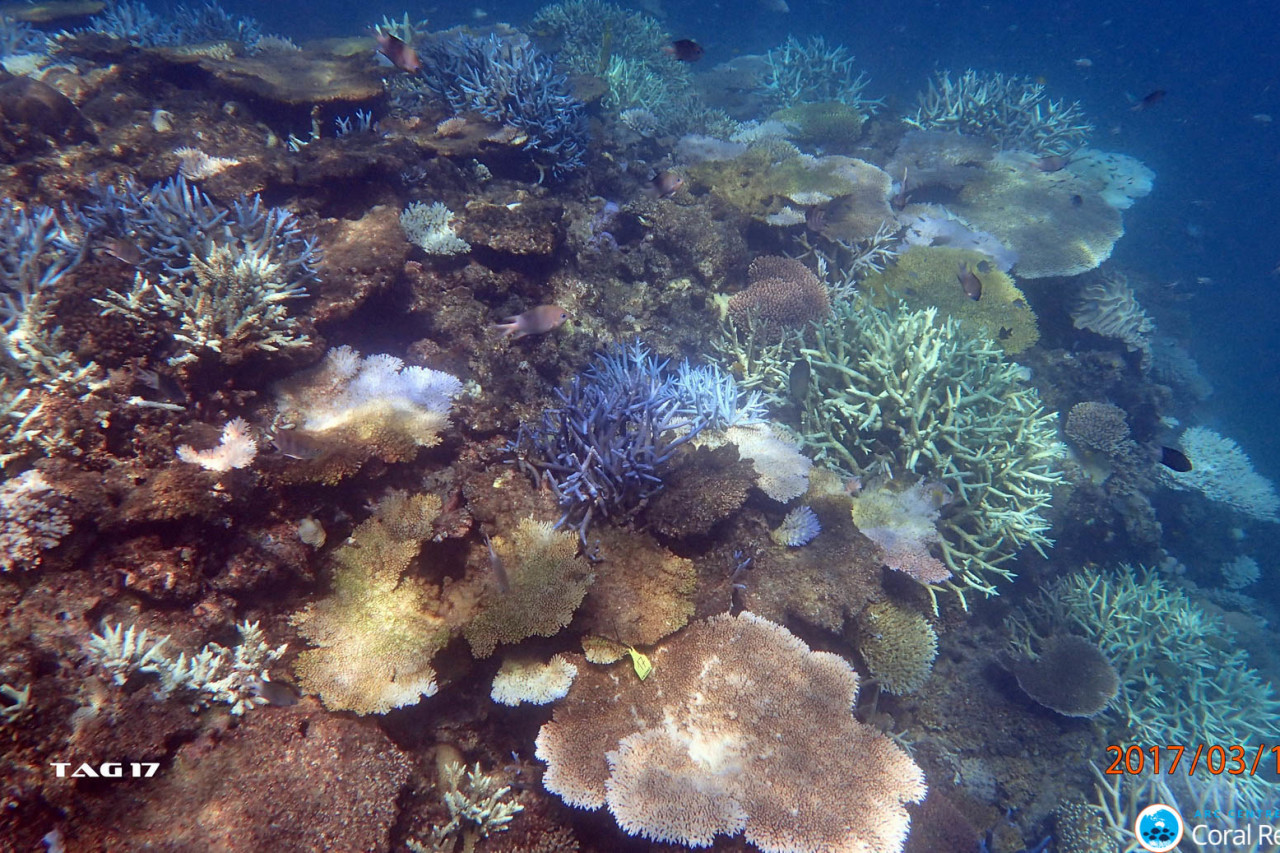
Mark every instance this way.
x=1013 y=111
x=511 y=82
x=1179 y=682
x=898 y=392
x=219 y=277
x=215 y=674
x=478 y=807
x=808 y=73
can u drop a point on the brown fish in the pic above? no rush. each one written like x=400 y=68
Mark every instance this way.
x=684 y=50
x=401 y=53
x=1051 y=163
x=969 y=283
x=666 y=184
x=535 y=321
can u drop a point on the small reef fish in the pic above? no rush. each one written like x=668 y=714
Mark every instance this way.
x=496 y=566
x=297 y=444
x=666 y=184
x=123 y=251
x=1051 y=163
x=275 y=693
x=1262 y=118
x=1148 y=101
x=535 y=321
x=1174 y=460
x=1082 y=62
x=400 y=53
x=684 y=50
x=798 y=381
x=969 y=282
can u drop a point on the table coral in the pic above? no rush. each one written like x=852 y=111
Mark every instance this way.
x=377 y=630
x=546 y=584
x=924 y=276
x=740 y=728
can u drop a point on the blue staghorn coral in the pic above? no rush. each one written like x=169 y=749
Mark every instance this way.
x=510 y=81
x=602 y=447
x=187 y=24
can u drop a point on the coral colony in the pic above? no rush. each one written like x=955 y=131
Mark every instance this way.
x=278 y=484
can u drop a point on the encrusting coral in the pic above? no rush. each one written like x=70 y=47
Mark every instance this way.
x=898 y=392
x=739 y=728
x=782 y=292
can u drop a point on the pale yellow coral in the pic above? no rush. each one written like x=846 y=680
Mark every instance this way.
x=546 y=585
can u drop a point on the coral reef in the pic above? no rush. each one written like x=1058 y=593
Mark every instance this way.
x=478 y=807
x=1069 y=675
x=233 y=677
x=798 y=528
x=798 y=73
x=681 y=757
x=33 y=519
x=904 y=523
x=519 y=681
x=926 y=276
x=898 y=645
x=1013 y=111
x=1108 y=307
x=428 y=227
x=509 y=81
x=1136 y=618
x=1057 y=223
x=1097 y=426
x=377 y=630
x=781 y=293
x=923 y=398
x=544 y=586
x=1222 y=472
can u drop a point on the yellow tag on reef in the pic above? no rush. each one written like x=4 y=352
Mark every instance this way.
x=641 y=662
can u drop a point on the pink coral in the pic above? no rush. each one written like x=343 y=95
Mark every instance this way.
x=782 y=293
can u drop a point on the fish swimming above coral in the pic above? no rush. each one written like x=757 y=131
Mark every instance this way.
x=535 y=321
x=684 y=50
x=969 y=282
x=399 y=52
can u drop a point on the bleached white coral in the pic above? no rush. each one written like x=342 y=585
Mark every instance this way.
x=348 y=390
x=428 y=227
x=215 y=674
x=195 y=165
x=783 y=471
x=237 y=449
x=32 y=520
x=1222 y=472
x=1109 y=308
x=520 y=681
x=1122 y=179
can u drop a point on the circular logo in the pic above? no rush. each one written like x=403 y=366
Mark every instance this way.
x=1158 y=827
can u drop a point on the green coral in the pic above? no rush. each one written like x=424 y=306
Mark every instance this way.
x=926 y=275
x=1183 y=680
x=760 y=183
x=898 y=645
x=546 y=585
x=830 y=125
x=811 y=72
x=377 y=630
x=902 y=391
